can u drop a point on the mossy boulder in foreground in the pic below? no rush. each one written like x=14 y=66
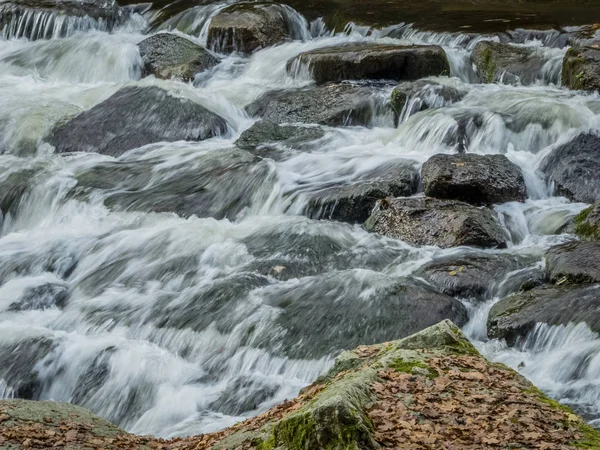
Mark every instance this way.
x=429 y=390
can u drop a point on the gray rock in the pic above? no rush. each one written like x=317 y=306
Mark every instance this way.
x=574 y=262
x=581 y=69
x=246 y=27
x=134 y=117
x=354 y=203
x=331 y=104
x=444 y=223
x=44 y=296
x=475 y=179
x=424 y=94
x=507 y=63
x=574 y=167
x=243 y=394
x=370 y=61
x=168 y=56
x=515 y=316
x=472 y=275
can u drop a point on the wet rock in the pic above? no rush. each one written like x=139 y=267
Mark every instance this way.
x=471 y=275
x=219 y=184
x=574 y=262
x=42 y=297
x=424 y=94
x=515 y=316
x=168 y=56
x=92 y=378
x=322 y=315
x=354 y=203
x=573 y=168
x=243 y=394
x=134 y=117
x=506 y=63
x=587 y=223
x=475 y=179
x=522 y=280
x=370 y=61
x=331 y=104
x=581 y=69
x=444 y=223
x=246 y=27
x=45 y=19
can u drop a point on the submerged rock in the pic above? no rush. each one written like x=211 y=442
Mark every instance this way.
x=475 y=179
x=515 y=316
x=354 y=203
x=334 y=104
x=368 y=400
x=573 y=168
x=424 y=94
x=370 y=61
x=581 y=69
x=507 y=63
x=444 y=223
x=44 y=296
x=587 y=223
x=471 y=275
x=246 y=27
x=167 y=55
x=134 y=117
x=574 y=263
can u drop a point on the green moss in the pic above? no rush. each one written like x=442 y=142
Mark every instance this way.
x=488 y=66
x=269 y=444
x=585 y=229
x=573 y=76
x=295 y=431
x=402 y=365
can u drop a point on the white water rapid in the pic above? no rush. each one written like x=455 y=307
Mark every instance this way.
x=171 y=325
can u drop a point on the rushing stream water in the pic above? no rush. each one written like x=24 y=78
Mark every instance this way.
x=169 y=325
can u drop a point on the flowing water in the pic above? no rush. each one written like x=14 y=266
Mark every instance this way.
x=175 y=325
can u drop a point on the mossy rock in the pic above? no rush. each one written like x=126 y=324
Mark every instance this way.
x=587 y=223
x=581 y=69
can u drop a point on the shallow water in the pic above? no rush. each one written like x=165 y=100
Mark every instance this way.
x=175 y=324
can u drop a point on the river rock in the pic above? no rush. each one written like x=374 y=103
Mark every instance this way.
x=351 y=407
x=371 y=61
x=573 y=168
x=43 y=296
x=444 y=223
x=587 y=223
x=507 y=63
x=354 y=202
x=471 y=275
x=246 y=27
x=424 y=94
x=515 y=316
x=167 y=55
x=134 y=117
x=334 y=104
x=475 y=179
x=574 y=262
x=243 y=394
x=581 y=69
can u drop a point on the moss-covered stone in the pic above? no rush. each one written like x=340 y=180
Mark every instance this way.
x=581 y=69
x=587 y=223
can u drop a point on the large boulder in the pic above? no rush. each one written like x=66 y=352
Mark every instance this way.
x=246 y=27
x=573 y=168
x=515 y=316
x=472 y=275
x=445 y=223
x=378 y=396
x=354 y=202
x=507 y=63
x=334 y=104
x=475 y=179
x=424 y=94
x=371 y=61
x=134 y=117
x=581 y=69
x=574 y=263
x=587 y=223
x=167 y=55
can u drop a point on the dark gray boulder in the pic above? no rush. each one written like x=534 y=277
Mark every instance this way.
x=475 y=179
x=371 y=61
x=573 y=168
x=246 y=27
x=587 y=223
x=515 y=316
x=134 y=117
x=243 y=394
x=43 y=296
x=507 y=63
x=472 y=275
x=167 y=55
x=444 y=223
x=581 y=69
x=424 y=94
x=334 y=104
x=354 y=202
x=574 y=262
